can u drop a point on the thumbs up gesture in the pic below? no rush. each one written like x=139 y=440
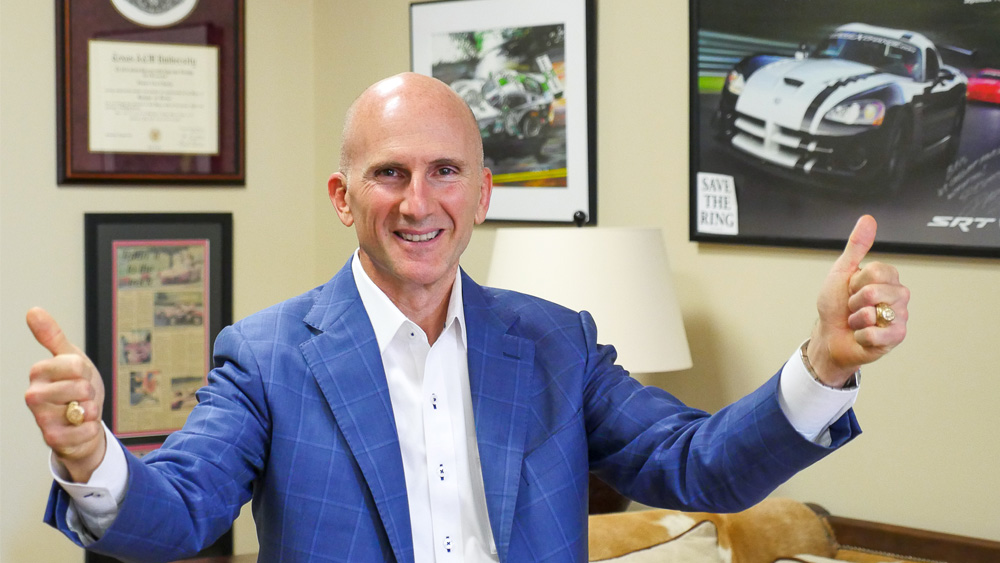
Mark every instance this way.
x=862 y=311
x=66 y=396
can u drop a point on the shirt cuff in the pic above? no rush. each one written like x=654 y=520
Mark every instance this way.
x=810 y=406
x=95 y=503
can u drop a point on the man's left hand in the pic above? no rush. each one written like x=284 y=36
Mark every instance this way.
x=848 y=334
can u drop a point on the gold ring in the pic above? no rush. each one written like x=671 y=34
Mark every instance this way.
x=884 y=315
x=74 y=413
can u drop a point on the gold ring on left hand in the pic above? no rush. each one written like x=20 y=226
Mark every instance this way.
x=884 y=315
x=74 y=413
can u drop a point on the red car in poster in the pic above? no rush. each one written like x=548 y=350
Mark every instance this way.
x=985 y=86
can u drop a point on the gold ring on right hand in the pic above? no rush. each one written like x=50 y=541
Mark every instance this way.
x=884 y=315
x=74 y=413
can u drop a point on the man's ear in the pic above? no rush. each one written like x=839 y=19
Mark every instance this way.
x=336 y=186
x=485 y=192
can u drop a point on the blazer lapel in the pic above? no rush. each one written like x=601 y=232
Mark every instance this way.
x=500 y=374
x=347 y=365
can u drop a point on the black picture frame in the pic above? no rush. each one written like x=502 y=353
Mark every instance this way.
x=220 y=548
x=137 y=134
x=101 y=232
x=808 y=144
x=158 y=292
x=528 y=71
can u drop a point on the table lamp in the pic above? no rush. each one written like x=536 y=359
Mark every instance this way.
x=620 y=275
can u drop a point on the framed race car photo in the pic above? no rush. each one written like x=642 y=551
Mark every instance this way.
x=526 y=69
x=806 y=114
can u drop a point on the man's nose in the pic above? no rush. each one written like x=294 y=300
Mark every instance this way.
x=417 y=199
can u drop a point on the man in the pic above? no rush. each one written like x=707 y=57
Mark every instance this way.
x=403 y=412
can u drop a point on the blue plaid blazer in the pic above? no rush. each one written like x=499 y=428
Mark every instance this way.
x=297 y=418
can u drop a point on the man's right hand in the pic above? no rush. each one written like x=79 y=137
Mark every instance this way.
x=68 y=376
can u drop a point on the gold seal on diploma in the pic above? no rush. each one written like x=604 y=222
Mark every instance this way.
x=154 y=13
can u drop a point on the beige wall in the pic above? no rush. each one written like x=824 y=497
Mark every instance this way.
x=928 y=455
x=41 y=225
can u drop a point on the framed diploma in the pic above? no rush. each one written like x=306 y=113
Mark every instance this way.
x=150 y=91
x=159 y=291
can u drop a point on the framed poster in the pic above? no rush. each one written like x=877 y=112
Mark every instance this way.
x=527 y=71
x=150 y=92
x=806 y=114
x=159 y=290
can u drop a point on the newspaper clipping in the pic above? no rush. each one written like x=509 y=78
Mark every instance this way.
x=161 y=333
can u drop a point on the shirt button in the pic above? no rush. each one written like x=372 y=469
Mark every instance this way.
x=441 y=471
x=447 y=544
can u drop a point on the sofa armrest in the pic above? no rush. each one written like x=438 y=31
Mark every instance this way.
x=865 y=535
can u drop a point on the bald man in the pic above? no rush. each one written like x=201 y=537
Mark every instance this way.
x=402 y=412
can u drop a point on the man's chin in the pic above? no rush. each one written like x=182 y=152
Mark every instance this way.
x=420 y=274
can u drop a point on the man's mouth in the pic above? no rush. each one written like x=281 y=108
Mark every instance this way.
x=419 y=238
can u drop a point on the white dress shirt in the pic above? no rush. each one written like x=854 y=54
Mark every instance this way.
x=432 y=406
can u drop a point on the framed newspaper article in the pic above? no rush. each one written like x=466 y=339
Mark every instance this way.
x=159 y=290
x=150 y=91
x=808 y=114
x=527 y=71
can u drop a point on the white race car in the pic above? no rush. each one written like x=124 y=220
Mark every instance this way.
x=862 y=106
x=514 y=110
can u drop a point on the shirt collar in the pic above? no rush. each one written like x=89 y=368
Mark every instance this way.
x=386 y=318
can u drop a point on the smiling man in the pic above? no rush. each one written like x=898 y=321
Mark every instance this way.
x=402 y=412
x=413 y=189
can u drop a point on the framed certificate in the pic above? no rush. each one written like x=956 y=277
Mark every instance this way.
x=150 y=92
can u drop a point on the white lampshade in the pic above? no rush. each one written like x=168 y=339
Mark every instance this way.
x=620 y=275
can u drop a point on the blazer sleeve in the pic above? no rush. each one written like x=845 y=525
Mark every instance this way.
x=185 y=495
x=660 y=452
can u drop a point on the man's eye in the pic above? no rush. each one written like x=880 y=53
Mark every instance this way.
x=447 y=171
x=388 y=172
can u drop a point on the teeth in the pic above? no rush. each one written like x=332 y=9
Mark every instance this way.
x=419 y=238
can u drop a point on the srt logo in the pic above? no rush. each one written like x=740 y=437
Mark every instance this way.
x=965 y=224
